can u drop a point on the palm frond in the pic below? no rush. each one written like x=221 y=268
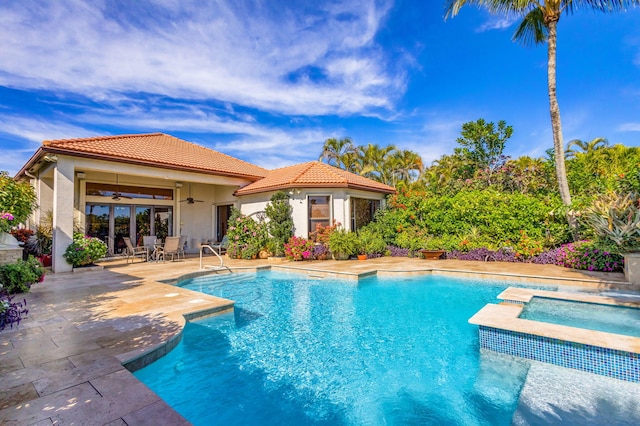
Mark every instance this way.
x=532 y=29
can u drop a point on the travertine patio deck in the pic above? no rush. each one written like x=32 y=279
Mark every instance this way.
x=63 y=365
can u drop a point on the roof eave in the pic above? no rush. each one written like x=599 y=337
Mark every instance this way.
x=240 y=191
x=94 y=156
x=30 y=163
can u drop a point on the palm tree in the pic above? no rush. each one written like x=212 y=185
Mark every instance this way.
x=374 y=164
x=405 y=164
x=539 y=25
x=585 y=147
x=337 y=152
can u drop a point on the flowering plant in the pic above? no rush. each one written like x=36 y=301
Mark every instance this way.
x=298 y=248
x=588 y=256
x=246 y=236
x=322 y=233
x=6 y=220
x=85 y=250
x=527 y=247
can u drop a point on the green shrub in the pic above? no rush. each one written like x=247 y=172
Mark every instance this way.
x=84 y=250
x=493 y=217
x=343 y=244
x=370 y=242
x=280 y=225
x=18 y=277
x=18 y=199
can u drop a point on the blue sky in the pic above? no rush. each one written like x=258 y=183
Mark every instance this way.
x=269 y=82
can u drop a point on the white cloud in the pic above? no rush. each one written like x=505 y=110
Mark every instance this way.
x=314 y=60
x=36 y=130
x=496 y=22
x=629 y=127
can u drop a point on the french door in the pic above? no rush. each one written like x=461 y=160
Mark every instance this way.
x=112 y=222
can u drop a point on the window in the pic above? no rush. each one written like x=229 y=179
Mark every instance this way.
x=109 y=190
x=319 y=211
x=362 y=212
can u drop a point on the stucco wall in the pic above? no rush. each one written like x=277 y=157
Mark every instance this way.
x=340 y=200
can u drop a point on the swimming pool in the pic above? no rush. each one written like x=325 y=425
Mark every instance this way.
x=304 y=351
x=593 y=316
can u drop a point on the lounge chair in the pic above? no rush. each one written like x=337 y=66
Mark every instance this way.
x=133 y=252
x=221 y=248
x=171 y=246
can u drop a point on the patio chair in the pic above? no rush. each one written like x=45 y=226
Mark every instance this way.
x=148 y=241
x=133 y=252
x=181 y=244
x=221 y=248
x=171 y=246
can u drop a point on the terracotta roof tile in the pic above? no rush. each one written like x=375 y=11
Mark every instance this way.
x=157 y=149
x=313 y=174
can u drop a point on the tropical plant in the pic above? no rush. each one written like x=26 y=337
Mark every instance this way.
x=343 y=244
x=615 y=220
x=17 y=201
x=539 y=25
x=584 y=146
x=19 y=276
x=280 y=225
x=84 y=250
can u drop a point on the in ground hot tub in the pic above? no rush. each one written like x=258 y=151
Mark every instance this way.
x=564 y=341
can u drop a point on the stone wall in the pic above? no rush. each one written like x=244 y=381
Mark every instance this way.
x=10 y=255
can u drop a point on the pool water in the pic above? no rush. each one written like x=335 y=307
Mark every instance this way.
x=592 y=316
x=303 y=351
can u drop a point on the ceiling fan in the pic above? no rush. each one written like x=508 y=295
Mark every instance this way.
x=117 y=195
x=189 y=199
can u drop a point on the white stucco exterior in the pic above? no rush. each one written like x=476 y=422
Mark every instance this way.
x=298 y=199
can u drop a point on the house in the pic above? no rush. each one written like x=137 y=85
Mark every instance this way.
x=113 y=187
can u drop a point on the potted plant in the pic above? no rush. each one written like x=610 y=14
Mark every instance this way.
x=369 y=242
x=432 y=249
x=343 y=244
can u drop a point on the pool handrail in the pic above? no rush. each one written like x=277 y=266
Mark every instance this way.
x=216 y=268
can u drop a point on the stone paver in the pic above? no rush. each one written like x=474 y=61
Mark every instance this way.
x=63 y=364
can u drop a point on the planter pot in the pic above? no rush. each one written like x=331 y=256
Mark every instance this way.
x=432 y=254
x=340 y=256
x=8 y=240
x=45 y=259
x=362 y=257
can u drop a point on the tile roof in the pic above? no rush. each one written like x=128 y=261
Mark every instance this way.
x=313 y=174
x=156 y=149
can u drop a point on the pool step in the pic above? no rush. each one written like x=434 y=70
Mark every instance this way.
x=224 y=279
